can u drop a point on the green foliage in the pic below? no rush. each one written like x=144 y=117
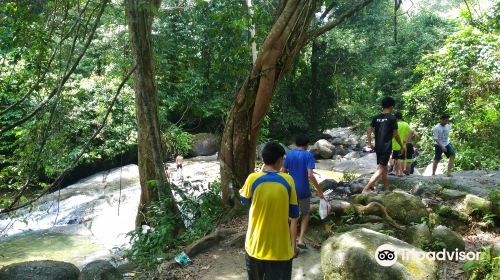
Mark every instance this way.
x=177 y=141
x=434 y=246
x=350 y=216
x=348 y=176
x=462 y=79
x=486 y=268
x=151 y=244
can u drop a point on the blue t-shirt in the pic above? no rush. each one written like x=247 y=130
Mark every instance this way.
x=298 y=162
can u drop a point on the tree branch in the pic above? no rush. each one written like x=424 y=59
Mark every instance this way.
x=330 y=25
x=85 y=147
x=64 y=79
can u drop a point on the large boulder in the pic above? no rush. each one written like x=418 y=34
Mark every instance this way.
x=418 y=235
x=40 y=270
x=476 y=203
x=99 y=270
x=351 y=256
x=352 y=155
x=451 y=239
x=402 y=207
x=204 y=144
x=450 y=194
x=322 y=148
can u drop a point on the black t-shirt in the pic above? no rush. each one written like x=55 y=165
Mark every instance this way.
x=384 y=125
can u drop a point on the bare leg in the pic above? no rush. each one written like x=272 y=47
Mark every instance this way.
x=385 y=181
x=293 y=234
x=374 y=179
x=434 y=166
x=450 y=165
x=303 y=227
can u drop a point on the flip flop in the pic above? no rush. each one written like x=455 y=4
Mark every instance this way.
x=302 y=246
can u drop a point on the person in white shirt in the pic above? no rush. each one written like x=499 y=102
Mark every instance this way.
x=442 y=144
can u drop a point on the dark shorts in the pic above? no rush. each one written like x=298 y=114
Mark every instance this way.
x=268 y=270
x=397 y=155
x=383 y=158
x=439 y=152
x=305 y=205
x=179 y=166
x=409 y=151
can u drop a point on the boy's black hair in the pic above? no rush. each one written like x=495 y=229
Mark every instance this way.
x=388 y=102
x=445 y=116
x=272 y=152
x=399 y=115
x=301 y=140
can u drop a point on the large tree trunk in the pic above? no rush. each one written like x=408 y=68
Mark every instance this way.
x=287 y=37
x=241 y=132
x=153 y=180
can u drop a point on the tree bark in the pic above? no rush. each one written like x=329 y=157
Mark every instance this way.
x=285 y=40
x=153 y=180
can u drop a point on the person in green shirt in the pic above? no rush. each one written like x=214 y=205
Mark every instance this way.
x=404 y=132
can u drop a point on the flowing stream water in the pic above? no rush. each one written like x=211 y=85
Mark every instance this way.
x=88 y=220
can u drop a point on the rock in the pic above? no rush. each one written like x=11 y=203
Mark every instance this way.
x=328 y=184
x=451 y=239
x=474 y=203
x=448 y=212
x=424 y=189
x=352 y=155
x=361 y=198
x=99 y=270
x=371 y=219
x=449 y=194
x=339 y=150
x=338 y=141
x=371 y=226
x=402 y=207
x=495 y=250
x=351 y=256
x=323 y=149
x=418 y=235
x=204 y=144
x=356 y=187
x=40 y=270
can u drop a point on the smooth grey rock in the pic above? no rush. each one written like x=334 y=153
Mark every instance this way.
x=449 y=194
x=99 y=270
x=402 y=207
x=40 y=270
x=351 y=256
x=451 y=239
x=473 y=203
x=418 y=235
x=323 y=149
x=204 y=144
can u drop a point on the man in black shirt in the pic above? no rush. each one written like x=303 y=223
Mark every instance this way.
x=386 y=128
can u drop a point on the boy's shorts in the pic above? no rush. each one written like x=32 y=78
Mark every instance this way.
x=304 y=205
x=383 y=159
x=409 y=151
x=257 y=269
x=397 y=155
x=439 y=152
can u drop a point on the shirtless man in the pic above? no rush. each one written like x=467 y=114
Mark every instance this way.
x=179 y=160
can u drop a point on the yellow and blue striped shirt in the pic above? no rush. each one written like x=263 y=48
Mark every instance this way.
x=273 y=199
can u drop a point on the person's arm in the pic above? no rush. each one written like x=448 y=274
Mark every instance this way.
x=398 y=139
x=369 y=137
x=293 y=233
x=294 y=215
x=313 y=180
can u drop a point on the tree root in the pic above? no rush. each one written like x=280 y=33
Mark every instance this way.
x=372 y=208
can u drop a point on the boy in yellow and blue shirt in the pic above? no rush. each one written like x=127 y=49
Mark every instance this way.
x=273 y=199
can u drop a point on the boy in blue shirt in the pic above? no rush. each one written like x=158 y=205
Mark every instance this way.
x=299 y=163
